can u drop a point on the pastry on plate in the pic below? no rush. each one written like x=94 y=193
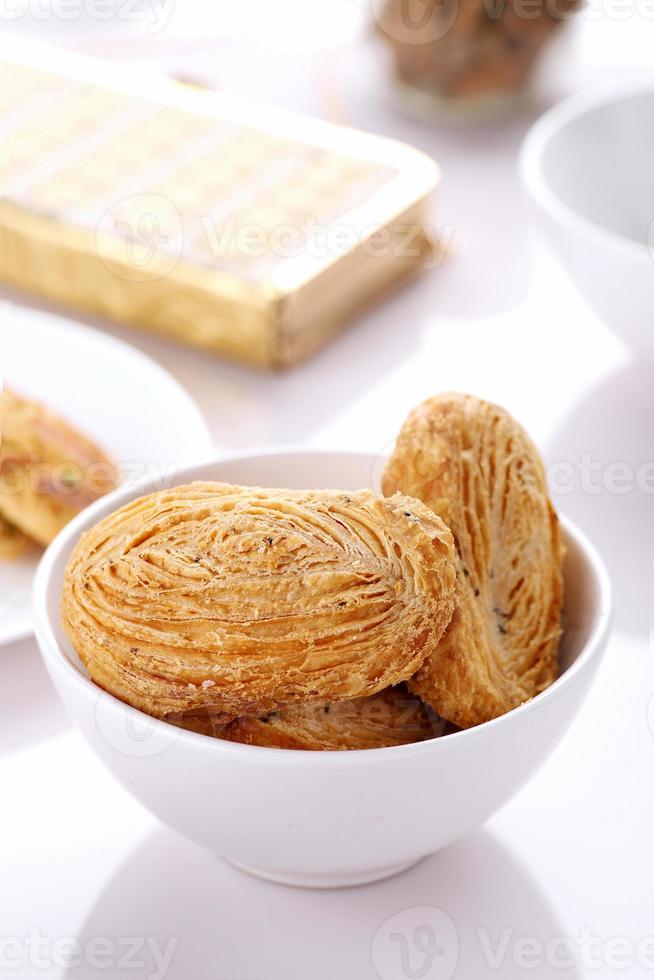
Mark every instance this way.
x=236 y=600
x=48 y=470
x=475 y=466
x=13 y=543
x=392 y=717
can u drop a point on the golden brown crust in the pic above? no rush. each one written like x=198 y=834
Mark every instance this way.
x=474 y=465
x=13 y=543
x=236 y=600
x=48 y=470
x=392 y=717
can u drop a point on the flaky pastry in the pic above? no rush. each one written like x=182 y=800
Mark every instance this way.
x=392 y=717
x=13 y=543
x=476 y=467
x=236 y=600
x=48 y=470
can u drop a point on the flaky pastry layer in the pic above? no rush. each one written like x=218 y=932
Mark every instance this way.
x=392 y=717
x=236 y=600
x=475 y=466
x=13 y=543
x=48 y=470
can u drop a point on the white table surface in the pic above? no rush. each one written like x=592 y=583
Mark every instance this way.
x=570 y=860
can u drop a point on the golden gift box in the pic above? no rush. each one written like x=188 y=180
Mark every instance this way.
x=239 y=228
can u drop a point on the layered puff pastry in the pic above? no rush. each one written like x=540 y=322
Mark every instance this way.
x=392 y=717
x=223 y=601
x=476 y=467
x=48 y=470
x=13 y=543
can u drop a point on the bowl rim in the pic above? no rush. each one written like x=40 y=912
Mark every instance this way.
x=540 y=136
x=56 y=659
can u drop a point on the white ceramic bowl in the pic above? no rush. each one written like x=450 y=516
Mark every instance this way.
x=322 y=819
x=588 y=165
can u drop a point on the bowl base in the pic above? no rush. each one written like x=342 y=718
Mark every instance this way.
x=298 y=879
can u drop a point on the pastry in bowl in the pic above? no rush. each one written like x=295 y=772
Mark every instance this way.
x=474 y=465
x=392 y=717
x=49 y=471
x=322 y=819
x=231 y=601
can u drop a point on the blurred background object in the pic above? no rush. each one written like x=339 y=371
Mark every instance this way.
x=281 y=51
x=323 y=58
x=587 y=164
x=468 y=56
x=216 y=222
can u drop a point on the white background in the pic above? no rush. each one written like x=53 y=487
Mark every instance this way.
x=573 y=854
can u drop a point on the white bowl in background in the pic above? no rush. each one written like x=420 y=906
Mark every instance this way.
x=588 y=165
x=322 y=819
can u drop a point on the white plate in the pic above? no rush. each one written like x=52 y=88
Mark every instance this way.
x=134 y=409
